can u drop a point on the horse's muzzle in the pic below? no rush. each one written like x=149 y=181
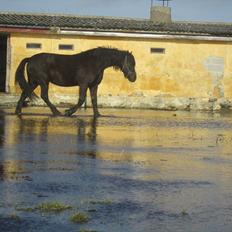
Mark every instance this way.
x=132 y=77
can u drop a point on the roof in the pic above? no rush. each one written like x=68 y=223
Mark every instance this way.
x=72 y=22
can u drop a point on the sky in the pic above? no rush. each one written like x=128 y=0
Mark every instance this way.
x=182 y=10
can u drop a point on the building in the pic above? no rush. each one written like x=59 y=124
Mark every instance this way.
x=180 y=65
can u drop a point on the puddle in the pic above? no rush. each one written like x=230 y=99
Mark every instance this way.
x=133 y=170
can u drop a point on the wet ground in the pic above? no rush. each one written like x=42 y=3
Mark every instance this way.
x=136 y=171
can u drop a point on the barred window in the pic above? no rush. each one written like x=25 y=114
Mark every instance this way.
x=66 y=47
x=158 y=50
x=34 y=45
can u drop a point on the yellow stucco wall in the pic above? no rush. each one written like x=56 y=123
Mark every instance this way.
x=180 y=72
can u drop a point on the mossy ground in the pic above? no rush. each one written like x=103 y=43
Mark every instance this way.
x=47 y=207
x=52 y=207
x=79 y=218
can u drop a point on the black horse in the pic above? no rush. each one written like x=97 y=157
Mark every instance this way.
x=84 y=69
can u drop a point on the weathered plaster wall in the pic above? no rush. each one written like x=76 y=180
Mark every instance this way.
x=189 y=75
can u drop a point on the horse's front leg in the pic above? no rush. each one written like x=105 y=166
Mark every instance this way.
x=82 y=96
x=93 y=94
x=44 y=96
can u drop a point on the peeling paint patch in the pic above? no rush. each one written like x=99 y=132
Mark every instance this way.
x=215 y=66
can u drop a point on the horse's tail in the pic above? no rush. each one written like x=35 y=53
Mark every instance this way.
x=20 y=78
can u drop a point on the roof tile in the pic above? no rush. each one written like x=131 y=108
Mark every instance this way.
x=70 y=22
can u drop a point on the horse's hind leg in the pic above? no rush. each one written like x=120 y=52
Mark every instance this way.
x=44 y=96
x=19 y=106
x=24 y=95
x=82 y=97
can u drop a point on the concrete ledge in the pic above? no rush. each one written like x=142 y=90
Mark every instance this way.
x=161 y=102
x=7 y=100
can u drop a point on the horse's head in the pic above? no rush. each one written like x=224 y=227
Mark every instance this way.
x=128 y=67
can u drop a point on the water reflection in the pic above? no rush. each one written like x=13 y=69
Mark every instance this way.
x=36 y=128
x=116 y=139
x=31 y=138
x=2 y=128
x=87 y=138
x=164 y=167
x=1 y=171
x=11 y=170
x=65 y=135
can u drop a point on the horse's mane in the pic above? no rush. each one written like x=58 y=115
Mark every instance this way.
x=105 y=51
x=101 y=50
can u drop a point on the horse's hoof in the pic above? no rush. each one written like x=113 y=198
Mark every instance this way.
x=97 y=115
x=18 y=112
x=56 y=113
x=68 y=113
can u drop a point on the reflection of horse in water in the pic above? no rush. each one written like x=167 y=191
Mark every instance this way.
x=2 y=128
x=87 y=139
x=10 y=169
x=50 y=134
x=44 y=137
x=84 y=70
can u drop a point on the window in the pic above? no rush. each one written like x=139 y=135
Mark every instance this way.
x=34 y=45
x=66 y=47
x=158 y=50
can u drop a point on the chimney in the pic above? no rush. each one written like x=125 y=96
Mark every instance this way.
x=160 y=14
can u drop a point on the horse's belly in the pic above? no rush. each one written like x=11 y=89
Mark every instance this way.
x=58 y=78
x=63 y=83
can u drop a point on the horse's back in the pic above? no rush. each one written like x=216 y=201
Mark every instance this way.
x=50 y=58
x=55 y=68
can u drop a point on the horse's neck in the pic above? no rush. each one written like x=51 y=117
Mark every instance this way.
x=113 y=60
